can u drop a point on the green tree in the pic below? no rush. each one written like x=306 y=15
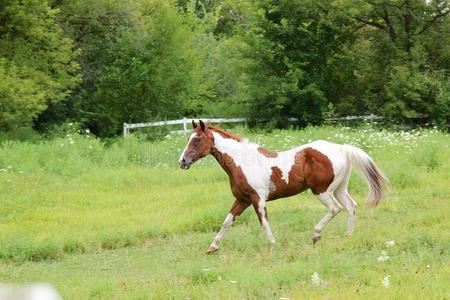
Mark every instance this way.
x=157 y=75
x=405 y=65
x=298 y=61
x=37 y=63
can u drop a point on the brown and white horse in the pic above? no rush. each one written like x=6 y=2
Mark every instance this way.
x=258 y=175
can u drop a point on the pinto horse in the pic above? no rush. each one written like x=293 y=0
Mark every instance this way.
x=258 y=175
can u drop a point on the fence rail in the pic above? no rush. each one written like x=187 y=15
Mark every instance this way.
x=351 y=118
x=185 y=122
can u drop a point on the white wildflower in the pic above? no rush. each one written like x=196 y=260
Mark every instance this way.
x=284 y=298
x=386 y=282
x=315 y=279
x=384 y=257
x=233 y=281
x=205 y=270
x=389 y=243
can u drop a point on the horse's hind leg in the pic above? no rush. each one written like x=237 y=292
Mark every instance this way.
x=333 y=209
x=346 y=201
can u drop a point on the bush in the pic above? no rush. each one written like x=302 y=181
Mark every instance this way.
x=411 y=93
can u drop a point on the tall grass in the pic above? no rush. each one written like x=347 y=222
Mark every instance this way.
x=75 y=194
x=72 y=198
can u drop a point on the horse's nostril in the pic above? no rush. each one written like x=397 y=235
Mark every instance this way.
x=183 y=161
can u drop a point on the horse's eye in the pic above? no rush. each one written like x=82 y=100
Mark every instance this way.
x=197 y=141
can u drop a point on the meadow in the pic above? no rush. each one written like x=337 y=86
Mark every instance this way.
x=122 y=221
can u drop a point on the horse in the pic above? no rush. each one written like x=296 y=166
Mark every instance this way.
x=258 y=175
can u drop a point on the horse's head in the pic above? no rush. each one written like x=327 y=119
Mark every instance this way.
x=199 y=145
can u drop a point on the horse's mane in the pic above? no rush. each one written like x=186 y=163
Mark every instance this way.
x=226 y=134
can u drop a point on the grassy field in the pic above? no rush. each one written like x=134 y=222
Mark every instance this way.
x=123 y=222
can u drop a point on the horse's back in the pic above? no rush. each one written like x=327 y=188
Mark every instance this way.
x=334 y=152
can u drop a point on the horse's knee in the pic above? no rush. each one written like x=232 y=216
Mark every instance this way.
x=335 y=209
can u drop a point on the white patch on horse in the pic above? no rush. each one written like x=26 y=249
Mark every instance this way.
x=187 y=145
x=272 y=186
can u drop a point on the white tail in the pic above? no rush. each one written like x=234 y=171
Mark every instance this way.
x=365 y=166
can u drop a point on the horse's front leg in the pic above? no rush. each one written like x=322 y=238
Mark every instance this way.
x=237 y=208
x=261 y=212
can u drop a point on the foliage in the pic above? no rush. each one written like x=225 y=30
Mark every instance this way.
x=295 y=48
x=106 y=62
x=411 y=94
x=37 y=63
x=156 y=74
x=404 y=72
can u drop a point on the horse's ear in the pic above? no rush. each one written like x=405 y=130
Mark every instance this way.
x=194 y=125
x=202 y=125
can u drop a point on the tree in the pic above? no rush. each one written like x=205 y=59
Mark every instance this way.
x=155 y=72
x=140 y=61
x=37 y=63
x=405 y=66
x=297 y=51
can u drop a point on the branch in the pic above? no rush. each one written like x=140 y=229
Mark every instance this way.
x=431 y=23
x=389 y=25
x=371 y=23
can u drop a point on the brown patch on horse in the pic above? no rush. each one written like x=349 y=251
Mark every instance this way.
x=240 y=187
x=226 y=134
x=279 y=188
x=311 y=169
x=318 y=170
x=267 y=153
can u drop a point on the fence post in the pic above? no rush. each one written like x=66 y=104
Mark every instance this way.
x=185 y=125
x=125 y=129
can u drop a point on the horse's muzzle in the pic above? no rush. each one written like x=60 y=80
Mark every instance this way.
x=184 y=164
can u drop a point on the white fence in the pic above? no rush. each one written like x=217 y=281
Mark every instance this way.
x=186 y=121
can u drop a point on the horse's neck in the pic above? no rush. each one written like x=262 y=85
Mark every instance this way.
x=226 y=149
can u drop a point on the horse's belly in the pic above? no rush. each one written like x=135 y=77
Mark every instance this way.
x=280 y=188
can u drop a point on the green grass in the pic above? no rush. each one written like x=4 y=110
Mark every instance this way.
x=123 y=221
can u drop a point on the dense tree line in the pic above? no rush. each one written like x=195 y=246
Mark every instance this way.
x=105 y=62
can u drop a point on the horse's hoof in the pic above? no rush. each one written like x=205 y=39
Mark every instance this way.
x=315 y=239
x=211 y=250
